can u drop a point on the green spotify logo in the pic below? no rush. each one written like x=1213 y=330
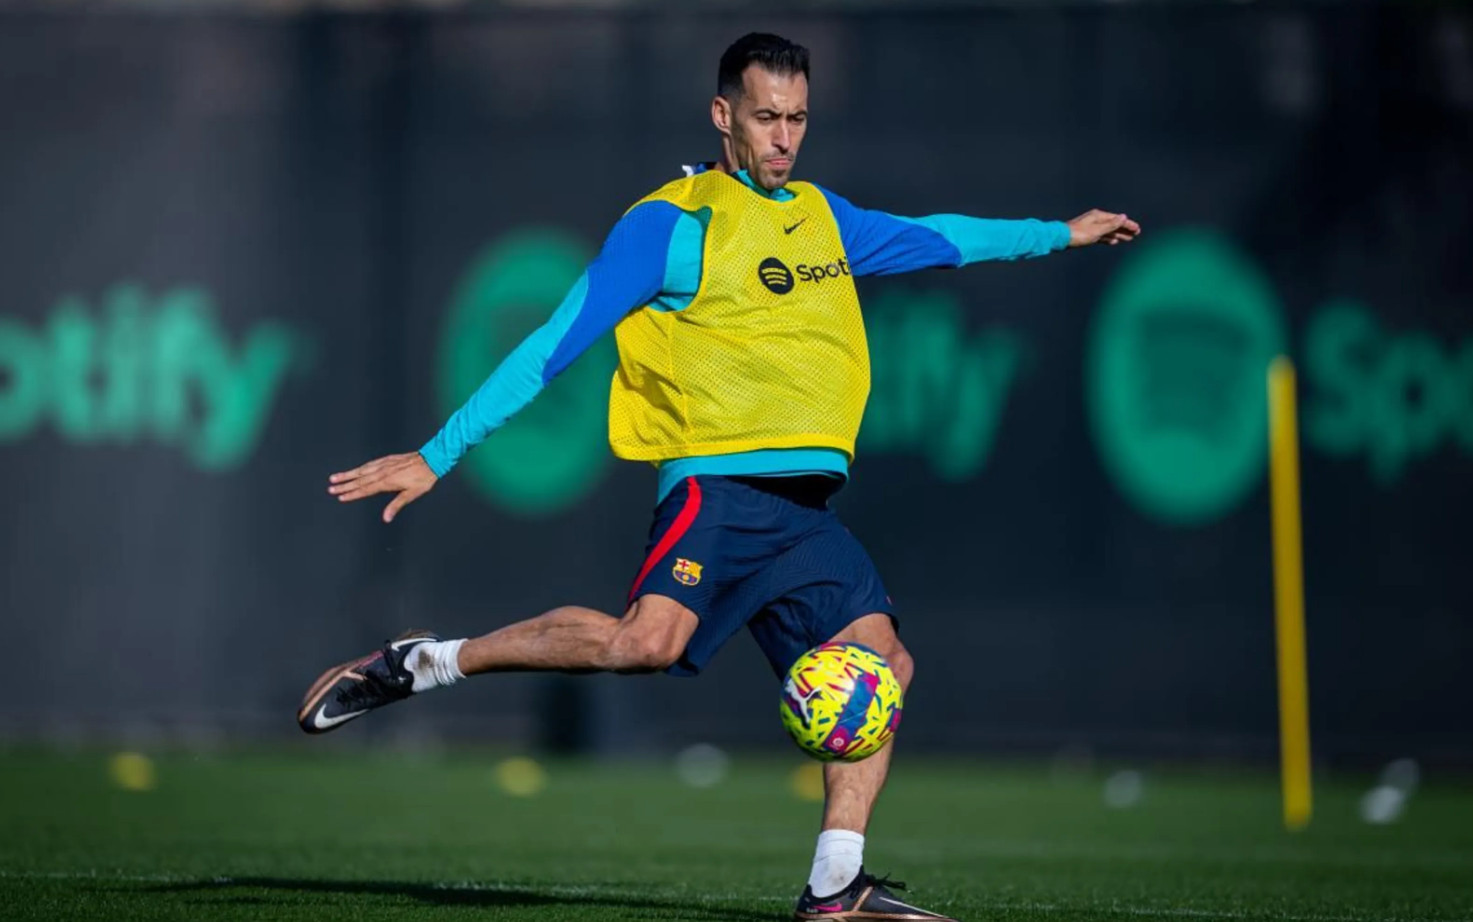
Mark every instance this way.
x=134 y=366
x=1174 y=376
x=551 y=454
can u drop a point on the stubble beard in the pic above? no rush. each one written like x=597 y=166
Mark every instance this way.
x=770 y=179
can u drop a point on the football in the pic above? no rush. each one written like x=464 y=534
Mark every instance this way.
x=840 y=701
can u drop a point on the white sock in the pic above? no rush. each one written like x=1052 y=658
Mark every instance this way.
x=836 y=861
x=435 y=664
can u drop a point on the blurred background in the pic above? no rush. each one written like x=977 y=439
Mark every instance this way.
x=247 y=244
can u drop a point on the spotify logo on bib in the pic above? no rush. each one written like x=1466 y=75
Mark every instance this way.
x=775 y=275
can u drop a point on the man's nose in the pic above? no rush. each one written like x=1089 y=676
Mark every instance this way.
x=783 y=137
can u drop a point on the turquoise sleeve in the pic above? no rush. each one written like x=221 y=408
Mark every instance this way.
x=983 y=239
x=513 y=384
x=879 y=243
x=628 y=272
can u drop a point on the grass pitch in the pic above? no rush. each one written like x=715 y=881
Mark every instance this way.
x=290 y=836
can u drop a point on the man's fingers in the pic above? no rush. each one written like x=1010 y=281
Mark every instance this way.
x=355 y=482
x=345 y=484
x=389 y=474
x=356 y=472
x=361 y=470
x=1100 y=226
x=372 y=467
x=404 y=498
x=364 y=490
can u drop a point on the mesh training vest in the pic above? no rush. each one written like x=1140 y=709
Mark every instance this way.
x=771 y=352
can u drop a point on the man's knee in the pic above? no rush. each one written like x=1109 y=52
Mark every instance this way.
x=651 y=636
x=877 y=631
x=644 y=650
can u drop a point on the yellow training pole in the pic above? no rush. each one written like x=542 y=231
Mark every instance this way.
x=1289 y=593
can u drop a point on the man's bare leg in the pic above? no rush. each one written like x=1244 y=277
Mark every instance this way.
x=651 y=636
x=851 y=788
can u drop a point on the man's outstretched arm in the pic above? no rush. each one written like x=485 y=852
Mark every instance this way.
x=627 y=273
x=878 y=243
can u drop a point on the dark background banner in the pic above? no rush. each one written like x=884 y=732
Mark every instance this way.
x=241 y=253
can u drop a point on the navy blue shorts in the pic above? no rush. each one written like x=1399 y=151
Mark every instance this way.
x=764 y=552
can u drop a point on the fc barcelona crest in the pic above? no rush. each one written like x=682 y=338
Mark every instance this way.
x=686 y=572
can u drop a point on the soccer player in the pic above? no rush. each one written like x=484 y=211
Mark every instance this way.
x=743 y=374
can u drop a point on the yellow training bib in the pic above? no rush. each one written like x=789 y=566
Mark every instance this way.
x=771 y=352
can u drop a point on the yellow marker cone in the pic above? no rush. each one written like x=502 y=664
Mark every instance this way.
x=521 y=777
x=132 y=771
x=806 y=782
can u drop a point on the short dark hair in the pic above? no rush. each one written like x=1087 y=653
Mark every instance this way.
x=771 y=52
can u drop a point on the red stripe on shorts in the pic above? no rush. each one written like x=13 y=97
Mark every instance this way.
x=677 y=531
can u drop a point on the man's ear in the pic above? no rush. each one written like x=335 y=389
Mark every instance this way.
x=721 y=114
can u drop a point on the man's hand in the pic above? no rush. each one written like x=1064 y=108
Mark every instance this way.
x=407 y=475
x=1095 y=226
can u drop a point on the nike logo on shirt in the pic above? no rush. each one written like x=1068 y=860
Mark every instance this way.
x=789 y=230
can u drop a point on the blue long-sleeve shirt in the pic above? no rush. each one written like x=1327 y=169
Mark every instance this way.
x=653 y=256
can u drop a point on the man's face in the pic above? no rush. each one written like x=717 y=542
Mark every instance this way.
x=766 y=124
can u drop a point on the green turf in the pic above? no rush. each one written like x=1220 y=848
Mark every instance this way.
x=286 y=836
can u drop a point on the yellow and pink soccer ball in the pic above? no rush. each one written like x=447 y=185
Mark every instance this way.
x=840 y=701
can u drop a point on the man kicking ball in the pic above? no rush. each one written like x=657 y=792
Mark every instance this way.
x=743 y=375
